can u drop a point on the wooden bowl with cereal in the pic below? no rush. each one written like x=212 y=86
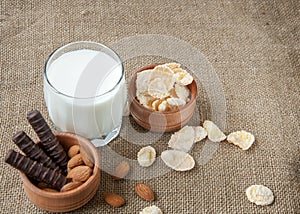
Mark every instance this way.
x=76 y=193
x=162 y=97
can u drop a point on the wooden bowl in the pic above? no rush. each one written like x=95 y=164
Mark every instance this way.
x=73 y=199
x=160 y=121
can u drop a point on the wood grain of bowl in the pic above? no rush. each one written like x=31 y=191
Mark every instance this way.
x=73 y=199
x=160 y=121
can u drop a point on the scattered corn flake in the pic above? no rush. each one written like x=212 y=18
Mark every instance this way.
x=213 y=132
x=151 y=210
x=182 y=92
x=175 y=101
x=260 y=195
x=200 y=133
x=183 y=139
x=146 y=156
x=178 y=160
x=242 y=139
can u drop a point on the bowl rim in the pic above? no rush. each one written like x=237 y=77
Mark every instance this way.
x=82 y=187
x=134 y=99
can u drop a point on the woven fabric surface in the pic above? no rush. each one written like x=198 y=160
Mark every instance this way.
x=253 y=46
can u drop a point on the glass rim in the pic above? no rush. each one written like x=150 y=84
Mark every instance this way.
x=86 y=42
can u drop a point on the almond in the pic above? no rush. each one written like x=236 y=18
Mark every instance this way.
x=80 y=173
x=70 y=186
x=121 y=170
x=87 y=161
x=145 y=192
x=76 y=160
x=113 y=199
x=73 y=150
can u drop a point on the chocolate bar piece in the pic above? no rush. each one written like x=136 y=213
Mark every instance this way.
x=32 y=150
x=35 y=170
x=48 y=140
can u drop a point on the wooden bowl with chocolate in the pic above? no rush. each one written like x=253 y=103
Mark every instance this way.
x=162 y=97
x=61 y=172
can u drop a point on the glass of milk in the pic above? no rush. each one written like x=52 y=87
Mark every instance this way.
x=85 y=90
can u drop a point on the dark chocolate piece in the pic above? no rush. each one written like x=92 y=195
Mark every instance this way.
x=36 y=170
x=32 y=150
x=48 y=141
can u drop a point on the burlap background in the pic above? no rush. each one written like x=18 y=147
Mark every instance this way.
x=254 y=48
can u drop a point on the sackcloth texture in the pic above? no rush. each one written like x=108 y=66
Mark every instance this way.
x=252 y=45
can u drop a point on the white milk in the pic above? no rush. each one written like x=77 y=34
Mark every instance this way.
x=88 y=93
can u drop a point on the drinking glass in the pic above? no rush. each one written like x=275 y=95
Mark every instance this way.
x=95 y=107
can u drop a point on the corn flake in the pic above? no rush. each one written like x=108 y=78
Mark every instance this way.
x=213 y=132
x=175 y=101
x=163 y=68
x=158 y=89
x=163 y=88
x=182 y=92
x=173 y=65
x=260 y=195
x=242 y=139
x=178 y=160
x=146 y=156
x=163 y=106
